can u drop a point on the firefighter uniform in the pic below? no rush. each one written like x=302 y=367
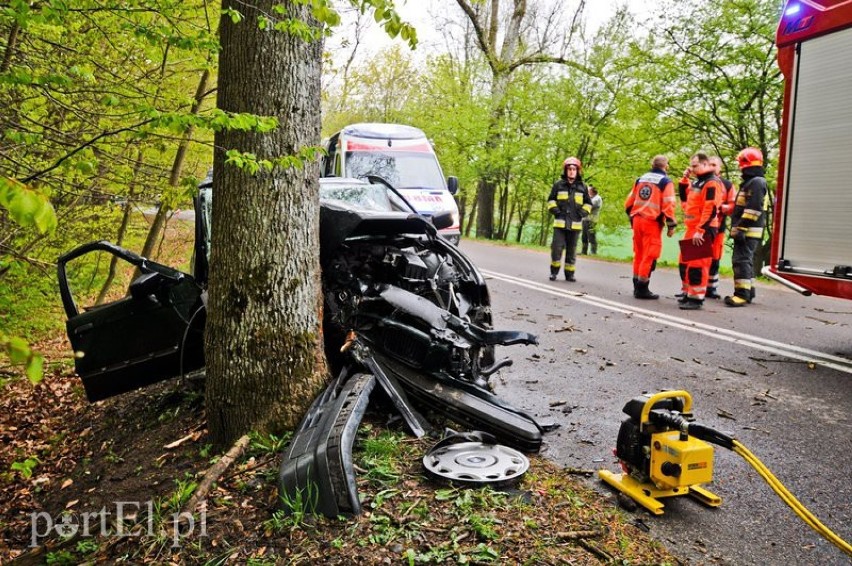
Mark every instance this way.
x=701 y=201
x=719 y=242
x=650 y=205
x=747 y=223
x=569 y=203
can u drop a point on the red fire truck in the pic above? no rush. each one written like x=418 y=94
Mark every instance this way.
x=812 y=236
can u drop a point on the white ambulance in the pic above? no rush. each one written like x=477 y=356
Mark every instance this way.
x=403 y=156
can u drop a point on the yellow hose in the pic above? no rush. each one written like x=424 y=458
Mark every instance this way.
x=790 y=499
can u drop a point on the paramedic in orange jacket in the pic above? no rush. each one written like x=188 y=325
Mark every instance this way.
x=650 y=204
x=701 y=200
x=719 y=242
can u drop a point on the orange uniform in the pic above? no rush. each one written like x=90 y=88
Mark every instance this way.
x=650 y=205
x=725 y=210
x=701 y=201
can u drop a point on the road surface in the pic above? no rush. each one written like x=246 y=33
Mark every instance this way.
x=775 y=374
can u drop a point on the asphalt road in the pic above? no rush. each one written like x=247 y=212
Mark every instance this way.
x=775 y=375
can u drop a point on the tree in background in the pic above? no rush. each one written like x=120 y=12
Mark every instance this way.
x=717 y=79
x=93 y=96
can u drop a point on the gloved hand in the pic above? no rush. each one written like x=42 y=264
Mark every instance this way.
x=738 y=235
x=553 y=211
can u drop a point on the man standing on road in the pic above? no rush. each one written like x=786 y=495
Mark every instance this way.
x=650 y=204
x=590 y=234
x=569 y=203
x=747 y=222
x=719 y=242
x=700 y=200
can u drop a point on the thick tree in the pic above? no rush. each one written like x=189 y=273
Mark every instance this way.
x=263 y=340
x=265 y=359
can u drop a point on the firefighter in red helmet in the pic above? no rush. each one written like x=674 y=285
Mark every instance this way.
x=569 y=203
x=747 y=222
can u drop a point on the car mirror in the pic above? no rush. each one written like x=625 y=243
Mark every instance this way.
x=443 y=219
x=453 y=184
x=146 y=285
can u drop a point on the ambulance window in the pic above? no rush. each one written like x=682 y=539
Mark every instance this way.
x=403 y=169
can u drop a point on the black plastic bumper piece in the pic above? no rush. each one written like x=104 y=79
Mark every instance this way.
x=318 y=466
x=468 y=405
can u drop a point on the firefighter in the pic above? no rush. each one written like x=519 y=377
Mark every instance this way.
x=590 y=223
x=650 y=205
x=719 y=242
x=747 y=222
x=569 y=203
x=700 y=200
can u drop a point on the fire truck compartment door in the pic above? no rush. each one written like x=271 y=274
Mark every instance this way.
x=818 y=194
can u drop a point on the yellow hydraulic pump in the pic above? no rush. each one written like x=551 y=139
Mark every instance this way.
x=660 y=452
x=663 y=453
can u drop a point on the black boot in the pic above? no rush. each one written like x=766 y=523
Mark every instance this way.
x=635 y=285
x=691 y=305
x=569 y=276
x=712 y=293
x=642 y=291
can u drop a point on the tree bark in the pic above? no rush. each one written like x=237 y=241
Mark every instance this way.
x=265 y=361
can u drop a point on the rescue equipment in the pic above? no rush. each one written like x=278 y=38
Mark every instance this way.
x=664 y=453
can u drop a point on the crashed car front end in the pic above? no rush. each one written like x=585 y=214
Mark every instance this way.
x=405 y=312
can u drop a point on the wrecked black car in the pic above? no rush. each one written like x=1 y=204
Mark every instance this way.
x=406 y=313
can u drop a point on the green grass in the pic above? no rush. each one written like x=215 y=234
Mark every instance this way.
x=617 y=245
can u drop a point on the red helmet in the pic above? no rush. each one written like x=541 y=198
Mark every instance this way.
x=749 y=157
x=572 y=161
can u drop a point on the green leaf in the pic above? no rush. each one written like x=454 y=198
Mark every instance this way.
x=85 y=167
x=27 y=207
x=35 y=368
x=18 y=350
x=236 y=17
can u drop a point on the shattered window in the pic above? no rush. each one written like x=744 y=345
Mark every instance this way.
x=403 y=170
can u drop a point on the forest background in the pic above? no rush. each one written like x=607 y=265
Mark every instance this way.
x=108 y=109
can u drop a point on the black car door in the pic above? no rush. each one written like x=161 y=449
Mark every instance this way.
x=153 y=333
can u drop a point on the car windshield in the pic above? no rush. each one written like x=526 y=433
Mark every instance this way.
x=402 y=169
x=366 y=197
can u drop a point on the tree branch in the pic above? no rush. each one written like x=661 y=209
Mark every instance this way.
x=80 y=148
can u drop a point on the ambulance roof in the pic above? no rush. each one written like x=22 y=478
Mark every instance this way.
x=383 y=131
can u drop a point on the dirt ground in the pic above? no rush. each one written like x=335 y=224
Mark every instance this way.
x=67 y=464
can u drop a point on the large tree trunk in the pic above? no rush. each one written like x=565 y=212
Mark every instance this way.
x=264 y=344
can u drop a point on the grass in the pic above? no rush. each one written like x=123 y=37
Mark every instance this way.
x=618 y=246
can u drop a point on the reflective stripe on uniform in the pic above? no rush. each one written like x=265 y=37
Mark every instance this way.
x=562 y=195
x=559 y=223
x=551 y=204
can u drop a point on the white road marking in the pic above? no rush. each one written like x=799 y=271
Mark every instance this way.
x=764 y=344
